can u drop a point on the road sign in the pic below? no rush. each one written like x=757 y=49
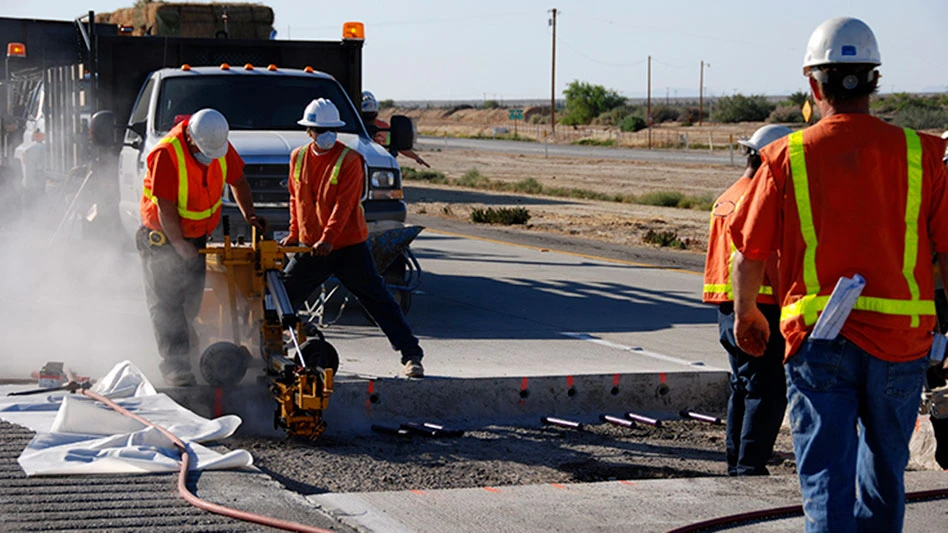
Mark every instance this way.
x=515 y=114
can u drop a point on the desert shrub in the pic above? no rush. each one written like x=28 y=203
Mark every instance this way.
x=595 y=142
x=921 y=118
x=500 y=215
x=490 y=104
x=689 y=115
x=585 y=101
x=473 y=178
x=632 y=123
x=664 y=113
x=664 y=239
x=740 y=108
x=527 y=186
x=386 y=104
x=893 y=103
x=798 y=98
x=786 y=113
x=661 y=198
x=431 y=176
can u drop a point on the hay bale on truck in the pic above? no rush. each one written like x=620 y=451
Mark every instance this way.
x=234 y=21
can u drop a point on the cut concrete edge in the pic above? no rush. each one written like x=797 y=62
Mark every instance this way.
x=357 y=404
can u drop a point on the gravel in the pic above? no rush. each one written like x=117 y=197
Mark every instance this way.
x=498 y=456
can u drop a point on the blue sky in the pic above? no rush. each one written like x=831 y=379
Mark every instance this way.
x=496 y=49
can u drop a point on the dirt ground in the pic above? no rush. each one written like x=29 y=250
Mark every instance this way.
x=619 y=223
x=501 y=455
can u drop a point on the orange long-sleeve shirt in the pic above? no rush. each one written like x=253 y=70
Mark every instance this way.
x=858 y=187
x=323 y=208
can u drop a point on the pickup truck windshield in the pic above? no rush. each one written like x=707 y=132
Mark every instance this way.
x=251 y=102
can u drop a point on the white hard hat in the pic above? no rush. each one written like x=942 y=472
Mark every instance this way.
x=321 y=113
x=765 y=135
x=842 y=40
x=208 y=129
x=369 y=103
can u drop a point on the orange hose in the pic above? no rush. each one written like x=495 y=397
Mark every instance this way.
x=183 y=475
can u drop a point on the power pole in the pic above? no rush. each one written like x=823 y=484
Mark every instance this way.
x=553 y=78
x=701 y=96
x=648 y=106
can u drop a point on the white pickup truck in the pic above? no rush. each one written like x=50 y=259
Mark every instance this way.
x=262 y=105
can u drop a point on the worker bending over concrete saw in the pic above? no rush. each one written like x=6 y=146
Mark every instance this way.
x=180 y=207
x=325 y=183
x=849 y=195
x=758 y=384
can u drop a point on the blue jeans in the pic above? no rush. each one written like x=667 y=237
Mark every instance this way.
x=758 y=396
x=852 y=416
x=355 y=269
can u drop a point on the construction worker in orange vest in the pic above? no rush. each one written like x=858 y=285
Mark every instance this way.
x=180 y=207
x=850 y=195
x=326 y=181
x=378 y=128
x=758 y=386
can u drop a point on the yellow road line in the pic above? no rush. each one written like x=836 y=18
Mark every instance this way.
x=575 y=254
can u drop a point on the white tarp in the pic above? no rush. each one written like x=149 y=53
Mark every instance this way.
x=77 y=435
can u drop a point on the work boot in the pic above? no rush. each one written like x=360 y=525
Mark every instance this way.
x=180 y=378
x=413 y=369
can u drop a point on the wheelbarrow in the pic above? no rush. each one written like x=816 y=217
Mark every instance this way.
x=389 y=243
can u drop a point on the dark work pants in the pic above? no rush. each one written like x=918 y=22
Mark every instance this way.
x=758 y=396
x=355 y=269
x=173 y=290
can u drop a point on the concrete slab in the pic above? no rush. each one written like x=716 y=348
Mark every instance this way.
x=646 y=506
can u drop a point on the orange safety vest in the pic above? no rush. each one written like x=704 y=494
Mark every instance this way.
x=719 y=265
x=200 y=189
x=807 y=307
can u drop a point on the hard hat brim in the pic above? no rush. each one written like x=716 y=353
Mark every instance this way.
x=747 y=144
x=309 y=124
x=215 y=153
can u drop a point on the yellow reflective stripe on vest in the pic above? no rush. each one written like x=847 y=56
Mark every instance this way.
x=727 y=289
x=801 y=187
x=182 y=165
x=913 y=205
x=812 y=303
x=298 y=169
x=333 y=179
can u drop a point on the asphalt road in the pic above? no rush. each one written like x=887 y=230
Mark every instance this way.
x=567 y=150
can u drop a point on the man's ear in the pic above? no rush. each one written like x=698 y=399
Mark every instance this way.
x=815 y=88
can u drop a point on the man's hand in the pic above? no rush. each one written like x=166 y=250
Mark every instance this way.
x=258 y=222
x=322 y=248
x=752 y=332
x=185 y=250
x=289 y=240
x=421 y=161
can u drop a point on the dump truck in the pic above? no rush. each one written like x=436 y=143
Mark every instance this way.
x=108 y=97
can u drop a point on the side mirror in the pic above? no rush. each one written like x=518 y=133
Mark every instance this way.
x=138 y=129
x=102 y=129
x=402 y=133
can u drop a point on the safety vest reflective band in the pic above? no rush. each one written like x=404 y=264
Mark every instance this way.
x=812 y=303
x=728 y=288
x=182 y=165
x=333 y=179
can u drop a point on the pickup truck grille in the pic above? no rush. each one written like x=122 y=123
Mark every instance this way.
x=268 y=183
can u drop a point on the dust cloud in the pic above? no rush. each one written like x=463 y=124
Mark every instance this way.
x=68 y=292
